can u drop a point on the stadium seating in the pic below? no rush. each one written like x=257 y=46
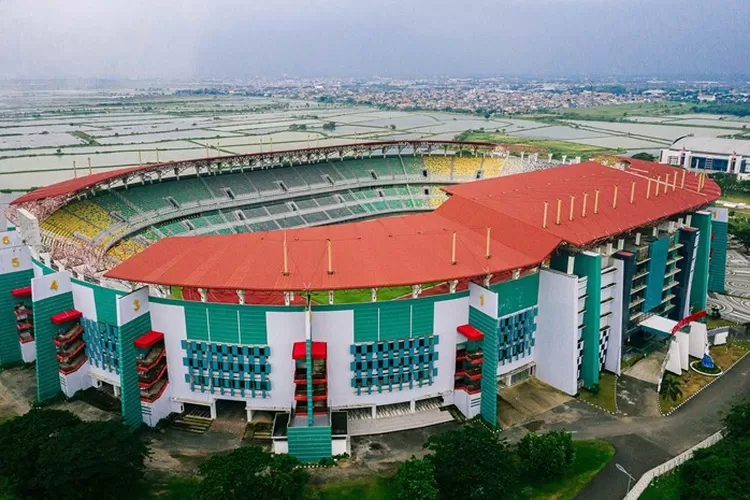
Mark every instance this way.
x=354 y=196
x=491 y=166
x=466 y=166
x=438 y=165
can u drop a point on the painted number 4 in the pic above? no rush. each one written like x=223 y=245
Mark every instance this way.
x=136 y=305
x=53 y=285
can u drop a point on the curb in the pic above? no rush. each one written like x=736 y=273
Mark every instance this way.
x=699 y=390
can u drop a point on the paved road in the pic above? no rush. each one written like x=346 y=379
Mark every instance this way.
x=641 y=443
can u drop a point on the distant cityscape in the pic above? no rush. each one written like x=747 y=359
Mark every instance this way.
x=483 y=95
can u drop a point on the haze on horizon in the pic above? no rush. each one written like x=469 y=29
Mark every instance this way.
x=227 y=39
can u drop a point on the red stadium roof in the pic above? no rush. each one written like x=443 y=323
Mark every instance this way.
x=417 y=248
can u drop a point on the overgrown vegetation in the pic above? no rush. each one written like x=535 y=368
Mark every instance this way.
x=715 y=473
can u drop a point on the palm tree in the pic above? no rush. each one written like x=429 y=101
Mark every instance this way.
x=670 y=388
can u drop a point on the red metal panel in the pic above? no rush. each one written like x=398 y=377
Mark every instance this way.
x=148 y=339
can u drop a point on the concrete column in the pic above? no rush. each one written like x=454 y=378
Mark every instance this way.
x=415 y=291
x=621 y=243
x=213 y=410
x=374 y=411
x=374 y=295
x=249 y=415
x=413 y=406
x=330 y=296
x=452 y=286
x=203 y=294
x=241 y=295
x=571 y=263
x=116 y=390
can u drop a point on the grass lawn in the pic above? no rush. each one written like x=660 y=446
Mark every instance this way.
x=360 y=295
x=368 y=488
x=557 y=148
x=626 y=111
x=174 y=488
x=663 y=488
x=591 y=457
x=691 y=382
x=736 y=197
x=712 y=322
x=605 y=398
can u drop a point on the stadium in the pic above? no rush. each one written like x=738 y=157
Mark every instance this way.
x=348 y=289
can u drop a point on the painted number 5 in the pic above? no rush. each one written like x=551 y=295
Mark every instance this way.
x=136 y=305
x=6 y=240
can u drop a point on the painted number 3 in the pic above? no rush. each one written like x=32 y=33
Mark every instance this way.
x=136 y=305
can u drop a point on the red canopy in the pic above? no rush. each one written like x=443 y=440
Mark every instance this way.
x=319 y=350
x=147 y=340
x=470 y=332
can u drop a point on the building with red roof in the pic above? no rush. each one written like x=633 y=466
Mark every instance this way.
x=341 y=287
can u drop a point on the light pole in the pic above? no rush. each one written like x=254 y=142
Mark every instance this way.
x=630 y=478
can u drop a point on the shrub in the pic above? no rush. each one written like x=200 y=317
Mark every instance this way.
x=415 y=480
x=546 y=455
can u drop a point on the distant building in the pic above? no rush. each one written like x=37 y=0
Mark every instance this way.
x=705 y=153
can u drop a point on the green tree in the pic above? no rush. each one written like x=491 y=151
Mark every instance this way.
x=670 y=388
x=739 y=227
x=644 y=156
x=718 y=472
x=415 y=480
x=53 y=454
x=251 y=473
x=21 y=441
x=546 y=456
x=392 y=126
x=473 y=463
x=102 y=460
x=737 y=421
x=329 y=126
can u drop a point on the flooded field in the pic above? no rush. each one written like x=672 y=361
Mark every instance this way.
x=42 y=134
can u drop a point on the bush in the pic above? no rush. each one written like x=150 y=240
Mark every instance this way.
x=415 y=480
x=251 y=473
x=546 y=456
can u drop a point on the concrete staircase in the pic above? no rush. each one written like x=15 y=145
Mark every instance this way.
x=197 y=421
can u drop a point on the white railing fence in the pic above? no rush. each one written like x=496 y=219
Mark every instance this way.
x=669 y=466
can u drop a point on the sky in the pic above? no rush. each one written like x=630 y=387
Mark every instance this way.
x=236 y=39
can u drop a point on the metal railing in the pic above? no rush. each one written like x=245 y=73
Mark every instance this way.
x=670 y=465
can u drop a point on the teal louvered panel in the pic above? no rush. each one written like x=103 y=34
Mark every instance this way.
x=366 y=324
x=224 y=325
x=395 y=320
x=253 y=326
x=196 y=321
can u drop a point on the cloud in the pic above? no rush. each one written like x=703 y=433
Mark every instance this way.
x=237 y=39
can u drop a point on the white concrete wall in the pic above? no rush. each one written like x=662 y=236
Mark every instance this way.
x=170 y=320
x=28 y=351
x=557 y=329
x=337 y=329
x=160 y=409
x=76 y=381
x=83 y=300
x=284 y=329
